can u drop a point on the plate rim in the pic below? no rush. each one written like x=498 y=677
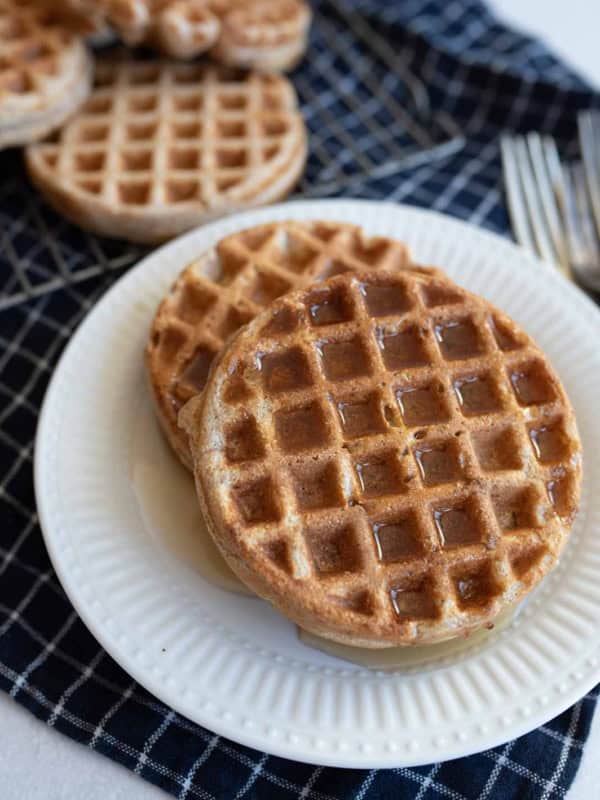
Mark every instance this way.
x=303 y=752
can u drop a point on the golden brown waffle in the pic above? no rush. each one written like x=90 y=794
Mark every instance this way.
x=231 y=283
x=161 y=147
x=45 y=71
x=387 y=458
x=261 y=34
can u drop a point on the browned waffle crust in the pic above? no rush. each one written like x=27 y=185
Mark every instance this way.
x=45 y=71
x=386 y=458
x=231 y=283
x=161 y=147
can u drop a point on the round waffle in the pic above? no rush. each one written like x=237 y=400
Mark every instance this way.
x=45 y=71
x=229 y=285
x=388 y=459
x=161 y=147
x=261 y=34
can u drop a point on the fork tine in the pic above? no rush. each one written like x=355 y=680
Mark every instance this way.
x=533 y=203
x=516 y=204
x=579 y=224
x=588 y=125
x=543 y=174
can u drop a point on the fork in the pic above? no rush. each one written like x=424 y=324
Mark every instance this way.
x=554 y=207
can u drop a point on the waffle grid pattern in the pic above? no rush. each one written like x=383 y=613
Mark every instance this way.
x=162 y=134
x=32 y=48
x=414 y=447
x=45 y=71
x=222 y=291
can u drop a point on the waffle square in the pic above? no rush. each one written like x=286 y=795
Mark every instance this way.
x=414 y=466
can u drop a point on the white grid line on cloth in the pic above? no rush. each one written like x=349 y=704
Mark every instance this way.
x=398 y=63
x=16 y=613
x=440 y=152
x=495 y=773
x=48 y=241
x=366 y=784
x=12 y=347
x=197 y=764
x=518 y=769
x=426 y=25
x=19 y=225
x=62 y=332
x=430 y=198
x=459 y=181
x=16 y=504
x=310 y=783
x=560 y=737
x=455 y=90
x=151 y=741
x=24 y=452
x=12 y=226
x=76 y=684
x=485 y=206
x=16 y=561
x=256 y=771
x=519 y=105
x=361 y=73
x=23 y=676
x=441 y=788
x=35 y=361
x=562 y=761
x=9 y=555
x=428 y=780
x=6 y=235
x=153 y=705
x=121 y=700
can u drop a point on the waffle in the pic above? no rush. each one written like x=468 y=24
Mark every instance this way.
x=386 y=458
x=261 y=34
x=45 y=71
x=264 y=34
x=161 y=147
x=231 y=284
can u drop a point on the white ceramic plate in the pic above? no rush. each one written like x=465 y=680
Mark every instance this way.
x=118 y=514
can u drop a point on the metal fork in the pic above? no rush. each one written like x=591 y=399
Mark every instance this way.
x=552 y=205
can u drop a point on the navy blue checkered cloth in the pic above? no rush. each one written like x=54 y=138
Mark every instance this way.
x=405 y=101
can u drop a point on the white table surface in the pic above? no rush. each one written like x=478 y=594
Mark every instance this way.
x=36 y=762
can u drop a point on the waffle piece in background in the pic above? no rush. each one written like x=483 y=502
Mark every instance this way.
x=231 y=283
x=264 y=34
x=45 y=71
x=161 y=147
x=258 y=34
x=387 y=458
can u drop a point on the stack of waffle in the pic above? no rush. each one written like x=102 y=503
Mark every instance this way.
x=385 y=457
